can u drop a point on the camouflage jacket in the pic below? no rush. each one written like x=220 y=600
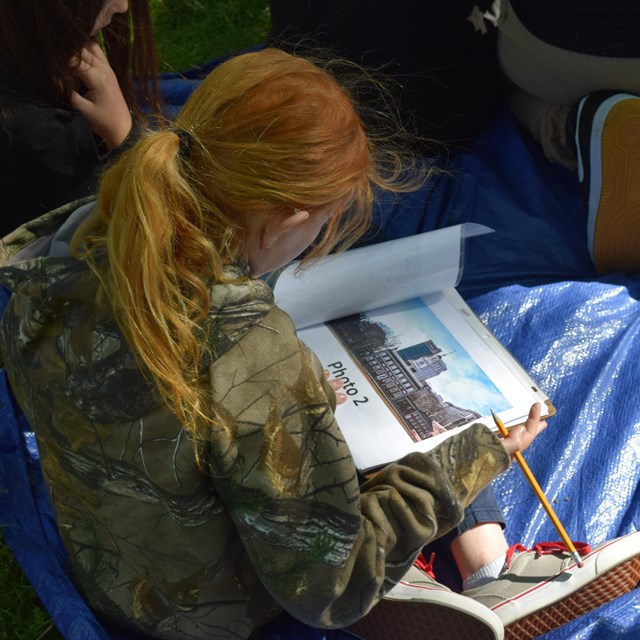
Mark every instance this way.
x=275 y=519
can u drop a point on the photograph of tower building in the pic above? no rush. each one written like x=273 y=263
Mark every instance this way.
x=406 y=366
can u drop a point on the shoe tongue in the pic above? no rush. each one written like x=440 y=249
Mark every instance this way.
x=550 y=547
x=512 y=550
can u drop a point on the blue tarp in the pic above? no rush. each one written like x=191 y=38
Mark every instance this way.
x=533 y=284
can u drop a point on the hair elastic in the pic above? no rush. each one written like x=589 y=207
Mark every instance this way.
x=186 y=143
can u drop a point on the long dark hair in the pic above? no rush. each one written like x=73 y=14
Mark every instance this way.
x=38 y=39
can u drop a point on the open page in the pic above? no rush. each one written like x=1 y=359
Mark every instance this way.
x=374 y=276
x=416 y=372
x=416 y=362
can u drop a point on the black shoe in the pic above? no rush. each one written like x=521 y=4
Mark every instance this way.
x=607 y=140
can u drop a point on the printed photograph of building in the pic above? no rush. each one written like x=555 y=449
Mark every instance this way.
x=405 y=370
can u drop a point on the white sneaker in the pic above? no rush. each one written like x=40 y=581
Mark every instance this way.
x=420 y=607
x=544 y=588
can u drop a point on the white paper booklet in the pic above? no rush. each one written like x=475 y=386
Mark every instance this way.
x=417 y=364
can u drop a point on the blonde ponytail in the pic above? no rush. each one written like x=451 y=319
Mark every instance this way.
x=150 y=221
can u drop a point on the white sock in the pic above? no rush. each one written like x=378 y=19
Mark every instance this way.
x=485 y=574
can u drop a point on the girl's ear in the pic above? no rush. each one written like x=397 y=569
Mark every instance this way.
x=273 y=229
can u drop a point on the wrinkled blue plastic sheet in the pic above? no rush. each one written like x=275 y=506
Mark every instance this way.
x=533 y=284
x=581 y=342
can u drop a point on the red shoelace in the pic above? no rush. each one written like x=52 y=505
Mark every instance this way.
x=426 y=566
x=543 y=548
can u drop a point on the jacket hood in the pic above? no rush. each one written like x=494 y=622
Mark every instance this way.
x=50 y=286
x=43 y=277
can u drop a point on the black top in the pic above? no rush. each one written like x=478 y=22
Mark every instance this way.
x=597 y=27
x=48 y=157
x=442 y=52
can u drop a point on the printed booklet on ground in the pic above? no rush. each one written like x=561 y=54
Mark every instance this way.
x=417 y=364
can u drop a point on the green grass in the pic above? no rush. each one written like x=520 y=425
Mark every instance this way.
x=188 y=32
x=21 y=614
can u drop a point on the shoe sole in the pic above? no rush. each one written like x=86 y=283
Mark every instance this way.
x=610 y=585
x=614 y=184
x=390 y=620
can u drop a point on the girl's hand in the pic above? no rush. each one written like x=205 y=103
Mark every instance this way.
x=103 y=104
x=336 y=385
x=521 y=437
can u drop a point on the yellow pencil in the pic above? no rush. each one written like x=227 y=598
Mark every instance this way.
x=543 y=499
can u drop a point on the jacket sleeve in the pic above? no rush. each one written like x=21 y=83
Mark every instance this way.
x=51 y=157
x=324 y=546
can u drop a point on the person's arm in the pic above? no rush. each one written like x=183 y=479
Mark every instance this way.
x=325 y=548
x=48 y=157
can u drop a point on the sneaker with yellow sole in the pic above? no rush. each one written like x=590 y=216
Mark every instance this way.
x=607 y=136
x=544 y=588
x=420 y=607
